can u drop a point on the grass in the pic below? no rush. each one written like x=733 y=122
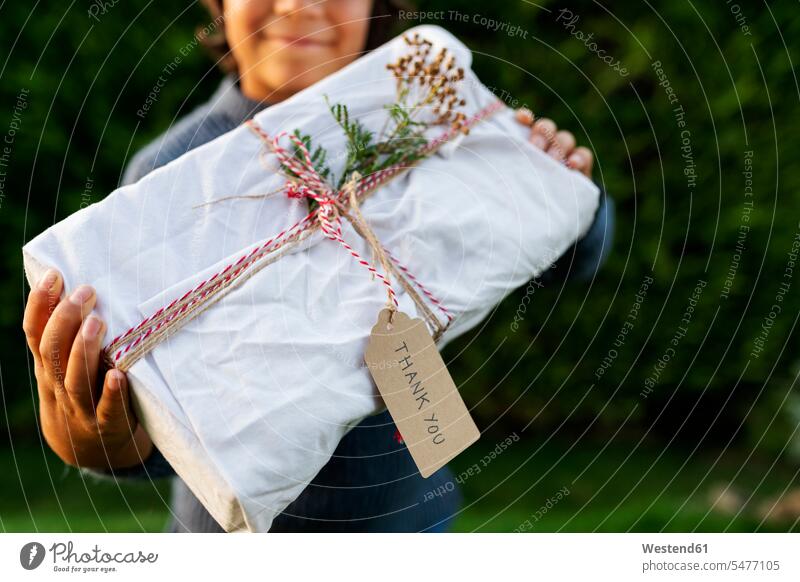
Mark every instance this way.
x=610 y=488
x=617 y=488
x=42 y=494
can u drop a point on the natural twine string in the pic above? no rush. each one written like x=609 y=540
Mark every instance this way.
x=142 y=338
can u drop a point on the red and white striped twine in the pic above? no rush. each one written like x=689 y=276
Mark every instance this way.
x=312 y=186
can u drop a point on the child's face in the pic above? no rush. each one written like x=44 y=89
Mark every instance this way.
x=283 y=46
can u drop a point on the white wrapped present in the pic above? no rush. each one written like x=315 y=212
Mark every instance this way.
x=249 y=398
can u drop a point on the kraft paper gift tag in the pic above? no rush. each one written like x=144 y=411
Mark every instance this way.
x=418 y=391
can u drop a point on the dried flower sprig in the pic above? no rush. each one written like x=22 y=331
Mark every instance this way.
x=425 y=82
x=427 y=95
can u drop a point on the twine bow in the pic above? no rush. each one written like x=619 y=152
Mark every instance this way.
x=308 y=183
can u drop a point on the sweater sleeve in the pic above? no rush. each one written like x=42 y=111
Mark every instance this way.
x=154 y=467
x=583 y=259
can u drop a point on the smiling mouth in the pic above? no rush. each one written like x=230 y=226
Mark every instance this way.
x=299 y=41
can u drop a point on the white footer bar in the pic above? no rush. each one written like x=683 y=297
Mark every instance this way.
x=407 y=557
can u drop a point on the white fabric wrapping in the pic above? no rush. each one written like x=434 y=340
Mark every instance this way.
x=249 y=400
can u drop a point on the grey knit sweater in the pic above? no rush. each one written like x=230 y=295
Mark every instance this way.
x=370 y=483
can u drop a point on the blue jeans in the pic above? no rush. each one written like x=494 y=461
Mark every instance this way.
x=371 y=484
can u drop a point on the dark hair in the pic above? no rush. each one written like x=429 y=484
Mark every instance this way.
x=384 y=17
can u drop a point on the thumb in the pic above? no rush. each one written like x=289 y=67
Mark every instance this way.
x=113 y=410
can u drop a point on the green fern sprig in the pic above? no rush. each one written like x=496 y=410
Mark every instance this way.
x=424 y=84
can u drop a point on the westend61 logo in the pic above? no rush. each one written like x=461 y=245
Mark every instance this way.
x=66 y=559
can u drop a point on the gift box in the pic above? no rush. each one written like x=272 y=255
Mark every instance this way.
x=248 y=337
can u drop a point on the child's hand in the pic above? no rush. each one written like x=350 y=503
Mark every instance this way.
x=66 y=347
x=559 y=144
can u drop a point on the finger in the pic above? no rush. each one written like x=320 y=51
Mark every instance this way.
x=60 y=331
x=543 y=132
x=84 y=360
x=562 y=146
x=113 y=410
x=41 y=303
x=582 y=160
x=524 y=116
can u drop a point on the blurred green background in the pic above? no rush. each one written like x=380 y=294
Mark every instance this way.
x=701 y=436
